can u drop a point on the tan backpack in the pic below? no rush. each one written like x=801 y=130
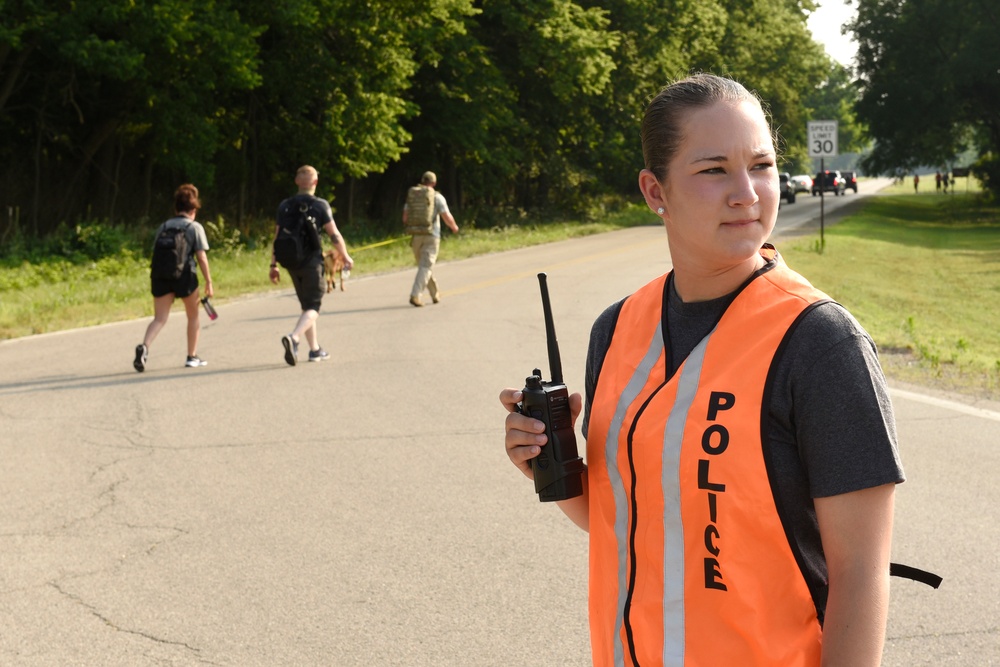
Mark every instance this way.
x=419 y=210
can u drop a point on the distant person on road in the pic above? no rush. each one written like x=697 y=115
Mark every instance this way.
x=937 y=181
x=179 y=244
x=945 y=181
x=301 y=217
x=423 y=212
x=916 y=183
x=741 y=448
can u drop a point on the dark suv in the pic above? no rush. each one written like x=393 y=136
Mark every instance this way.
x=786 y=188
x=829 y=181
x=850 y=181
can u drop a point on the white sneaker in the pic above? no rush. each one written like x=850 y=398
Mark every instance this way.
x=291 y=350
x=195 y=362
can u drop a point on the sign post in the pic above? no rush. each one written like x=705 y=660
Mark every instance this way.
x=822 y=144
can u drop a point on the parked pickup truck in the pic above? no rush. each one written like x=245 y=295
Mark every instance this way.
x=829 y=181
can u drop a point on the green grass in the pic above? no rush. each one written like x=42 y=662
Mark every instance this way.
x=963 y=186
x=67 y=290
x=922 y=275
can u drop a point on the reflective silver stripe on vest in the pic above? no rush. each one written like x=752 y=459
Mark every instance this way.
x=631 y=392
x=673 y=531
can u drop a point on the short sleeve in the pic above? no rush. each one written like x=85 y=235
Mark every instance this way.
x=440 y=204
x=325 y=212
x=200 y=238
x=600 y=340
x=841 y=412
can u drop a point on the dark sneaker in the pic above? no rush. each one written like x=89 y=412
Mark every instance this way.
x=318 y=355
x=141 y=355
x=195 y=362
x=291 y=350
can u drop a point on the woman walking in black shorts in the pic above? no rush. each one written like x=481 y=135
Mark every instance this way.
x=184 y=287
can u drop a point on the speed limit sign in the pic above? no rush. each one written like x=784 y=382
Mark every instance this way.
x=823 y=138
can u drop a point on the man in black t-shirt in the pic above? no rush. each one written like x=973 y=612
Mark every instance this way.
x=308 y=279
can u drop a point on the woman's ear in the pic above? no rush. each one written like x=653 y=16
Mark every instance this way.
x=652 y=191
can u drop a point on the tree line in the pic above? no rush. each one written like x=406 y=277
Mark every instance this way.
x=928 y=74
x=518 y=105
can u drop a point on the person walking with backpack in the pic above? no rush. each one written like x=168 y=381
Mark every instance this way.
x=422 y=215
x=180 y=244
x=298 y=248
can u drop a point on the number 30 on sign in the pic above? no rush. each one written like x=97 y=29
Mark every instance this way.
x=823 y=138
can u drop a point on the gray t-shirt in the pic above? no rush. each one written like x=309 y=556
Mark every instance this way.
x=832 y=430
x=195 y=235
x=440 y=206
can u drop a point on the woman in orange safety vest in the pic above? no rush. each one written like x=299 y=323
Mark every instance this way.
x=741 y=447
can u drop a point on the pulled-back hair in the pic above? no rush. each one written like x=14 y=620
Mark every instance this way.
x=662 y=123
x=186 y=199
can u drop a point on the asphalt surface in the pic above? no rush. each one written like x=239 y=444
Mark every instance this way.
x=361 y=511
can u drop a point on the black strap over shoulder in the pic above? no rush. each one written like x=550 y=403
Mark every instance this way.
x=907 y=572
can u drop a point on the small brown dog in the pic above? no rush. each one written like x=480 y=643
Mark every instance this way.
x=334 y=266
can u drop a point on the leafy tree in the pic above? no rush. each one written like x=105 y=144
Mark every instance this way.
x=928 y=79
x=501 y=107
x=834 y=99
x=88 y=87
x=553 y=57
x=333 y=78
x=658 y=42
x=517 y=104
x=768 y=46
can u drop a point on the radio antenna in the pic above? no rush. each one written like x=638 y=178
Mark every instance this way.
x=555 y=363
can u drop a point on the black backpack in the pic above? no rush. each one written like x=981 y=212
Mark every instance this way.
x=170 y=253
x=297 y=239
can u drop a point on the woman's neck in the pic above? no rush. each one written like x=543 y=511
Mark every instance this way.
x=694 y=284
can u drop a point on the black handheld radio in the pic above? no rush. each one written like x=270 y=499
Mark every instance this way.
x=558 y=469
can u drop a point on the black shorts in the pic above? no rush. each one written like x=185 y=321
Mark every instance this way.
x=182 y=287
x=309 y=283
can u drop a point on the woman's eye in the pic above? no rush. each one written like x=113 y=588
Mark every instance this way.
x=763 y=165
x=714 y=170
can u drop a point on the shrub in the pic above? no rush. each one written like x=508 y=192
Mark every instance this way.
x=987 y=170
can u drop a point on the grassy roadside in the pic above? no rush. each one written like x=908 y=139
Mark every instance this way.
x=920 y=272
x=56 y=294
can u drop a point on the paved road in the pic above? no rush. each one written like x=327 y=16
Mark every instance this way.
x=804 y=216
x=361 y=511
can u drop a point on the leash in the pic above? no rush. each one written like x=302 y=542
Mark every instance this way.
x=380 y=243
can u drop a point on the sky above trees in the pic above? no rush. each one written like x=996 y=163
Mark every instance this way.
x=825 y=25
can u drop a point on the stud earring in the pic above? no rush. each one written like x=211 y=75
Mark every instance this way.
x=660 y=211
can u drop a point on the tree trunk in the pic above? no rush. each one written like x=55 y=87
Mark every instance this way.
x=7 y=89
x=93 y=144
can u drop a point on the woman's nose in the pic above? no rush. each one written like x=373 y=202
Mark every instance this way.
x=744 y=190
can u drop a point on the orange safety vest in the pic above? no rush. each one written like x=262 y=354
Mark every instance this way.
x=689 y=561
